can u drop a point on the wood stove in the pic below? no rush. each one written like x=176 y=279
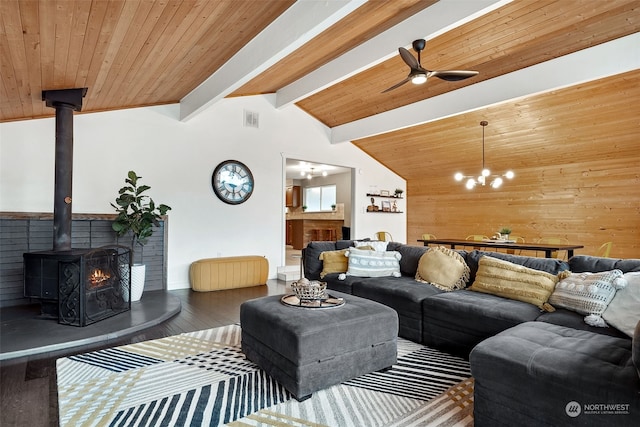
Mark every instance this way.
x=80 y=286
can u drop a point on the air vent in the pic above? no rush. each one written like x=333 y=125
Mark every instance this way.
x=251 y=119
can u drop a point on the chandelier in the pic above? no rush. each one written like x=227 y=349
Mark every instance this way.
x=495 y=181
x=310 y=173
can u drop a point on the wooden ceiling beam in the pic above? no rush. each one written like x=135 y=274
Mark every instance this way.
x=296 y=26
x=600 y=61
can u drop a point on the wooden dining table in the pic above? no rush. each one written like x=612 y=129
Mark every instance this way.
x=547 y=248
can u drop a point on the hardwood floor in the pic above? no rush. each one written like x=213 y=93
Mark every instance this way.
x=28 y=390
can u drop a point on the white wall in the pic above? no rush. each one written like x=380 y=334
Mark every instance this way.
x=177 y=159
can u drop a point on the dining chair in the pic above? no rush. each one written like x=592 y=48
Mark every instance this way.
x=518 y=239
x=384 y=236
x=605 y=249
x=428 y=236
x=554 y=241
x=476 y=237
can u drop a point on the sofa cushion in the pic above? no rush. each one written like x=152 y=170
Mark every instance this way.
x=550 y=265
x=404 y=295
x=443 y=268
x=375 y=245
x=571 y=319
x=513 y=281
x=368 y=263
x=333 y=262
x=587 y=293
x=457 y=321
x=623 y=311
x=582 y=263
x=311 y=256
x=410 y=256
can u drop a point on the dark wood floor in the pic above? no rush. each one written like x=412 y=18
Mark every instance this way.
x=28 y=390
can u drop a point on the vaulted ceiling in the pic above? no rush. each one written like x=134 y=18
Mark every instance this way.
x=331 y=58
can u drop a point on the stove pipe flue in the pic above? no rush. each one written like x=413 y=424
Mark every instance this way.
x=65 y=101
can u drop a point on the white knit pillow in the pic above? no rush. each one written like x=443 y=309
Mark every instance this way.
x=368 y=263
x=588 y=293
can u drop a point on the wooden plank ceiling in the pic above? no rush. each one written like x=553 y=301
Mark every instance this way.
x=132 y=53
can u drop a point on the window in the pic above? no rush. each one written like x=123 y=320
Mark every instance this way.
x=320 y=198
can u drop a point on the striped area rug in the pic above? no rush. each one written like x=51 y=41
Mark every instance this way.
x=203 y=379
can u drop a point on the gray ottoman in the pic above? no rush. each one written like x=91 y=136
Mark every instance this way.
x=307 y=350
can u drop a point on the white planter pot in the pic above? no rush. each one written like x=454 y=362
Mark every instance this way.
x=138 y=272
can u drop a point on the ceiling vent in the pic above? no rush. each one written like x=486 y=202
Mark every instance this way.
x=251 y=119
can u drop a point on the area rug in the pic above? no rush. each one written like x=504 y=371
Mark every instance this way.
x=203 y=379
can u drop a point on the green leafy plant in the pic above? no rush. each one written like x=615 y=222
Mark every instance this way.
x=304 y=208
x=137 y=212
x=505 y=230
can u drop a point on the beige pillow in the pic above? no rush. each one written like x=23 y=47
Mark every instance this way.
x=443 y=268
x=333 y=262
x=513 y=281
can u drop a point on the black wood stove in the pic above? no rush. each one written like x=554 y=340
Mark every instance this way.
x=80 y=286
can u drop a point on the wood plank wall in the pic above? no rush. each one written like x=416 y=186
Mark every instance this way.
x=540 y=202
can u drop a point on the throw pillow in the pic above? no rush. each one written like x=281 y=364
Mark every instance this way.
x=443 y=268
x=514 y=281
x=623 y=311
x=333 y=262
x=377 y=246
x=368 y=263
x=588 y=293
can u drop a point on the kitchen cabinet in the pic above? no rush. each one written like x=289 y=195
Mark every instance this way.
x=293 y=197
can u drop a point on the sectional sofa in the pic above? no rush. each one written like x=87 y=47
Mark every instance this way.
x=530 y=363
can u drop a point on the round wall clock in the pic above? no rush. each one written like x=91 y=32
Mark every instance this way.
x=232 y=181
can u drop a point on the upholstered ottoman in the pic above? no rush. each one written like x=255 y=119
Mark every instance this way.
x=309 y=349
x=541 y=374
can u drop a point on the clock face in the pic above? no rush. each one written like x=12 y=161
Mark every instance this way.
x=232 y=182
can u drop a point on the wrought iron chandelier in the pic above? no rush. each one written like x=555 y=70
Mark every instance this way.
x=494 y=181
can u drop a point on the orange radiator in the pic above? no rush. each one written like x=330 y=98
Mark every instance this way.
x=214 y=274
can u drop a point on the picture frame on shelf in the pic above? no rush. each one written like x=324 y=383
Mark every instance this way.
x=385 y=193
x=386 y=206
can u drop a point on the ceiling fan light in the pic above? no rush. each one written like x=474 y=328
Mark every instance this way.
x=458 y=176
x=419 y=79
x=481 y=180
x=486 y=172
x=509 y=175
x=496 y=183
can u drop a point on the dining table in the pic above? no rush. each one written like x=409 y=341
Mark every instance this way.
x=547 y=248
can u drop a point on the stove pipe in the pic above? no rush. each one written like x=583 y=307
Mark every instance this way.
x=65 y=101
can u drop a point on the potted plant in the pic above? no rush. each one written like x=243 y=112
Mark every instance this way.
x=333 y=207
x=304 y=208
x=399 y=192
x=137 y=216
x=504 y=233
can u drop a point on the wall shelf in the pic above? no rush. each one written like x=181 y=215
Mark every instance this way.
x=386 y=197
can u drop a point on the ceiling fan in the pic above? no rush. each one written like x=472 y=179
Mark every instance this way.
x=419 y=75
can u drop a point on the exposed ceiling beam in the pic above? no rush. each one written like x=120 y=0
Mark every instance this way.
x=304 y=20
x=607 y=59
x=427 y=24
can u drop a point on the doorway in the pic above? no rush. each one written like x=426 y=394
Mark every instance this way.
x=307 y=175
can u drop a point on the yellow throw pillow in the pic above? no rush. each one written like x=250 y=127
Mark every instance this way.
x=333 y=262
x=443 y=268
x=513 y=281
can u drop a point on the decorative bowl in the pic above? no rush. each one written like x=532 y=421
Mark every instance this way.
x=307 y=290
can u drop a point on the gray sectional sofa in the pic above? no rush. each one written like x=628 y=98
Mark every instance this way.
x=495 y=332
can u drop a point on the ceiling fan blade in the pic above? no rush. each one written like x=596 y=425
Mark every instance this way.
x=409 y=59
x=397 y=85
x=453 y=75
